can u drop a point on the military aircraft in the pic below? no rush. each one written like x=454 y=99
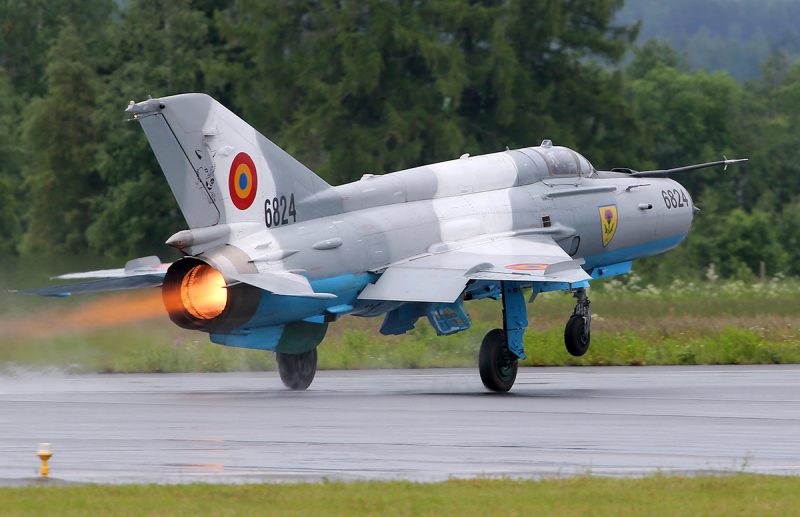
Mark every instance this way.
x=273 y=253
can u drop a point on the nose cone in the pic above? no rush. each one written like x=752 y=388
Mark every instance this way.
x=695 y=208
x=688 y=198
x=675 y=208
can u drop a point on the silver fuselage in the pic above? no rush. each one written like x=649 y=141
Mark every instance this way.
x=381 y=220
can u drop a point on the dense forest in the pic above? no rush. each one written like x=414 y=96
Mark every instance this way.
x=732 y=35
x=379 y=85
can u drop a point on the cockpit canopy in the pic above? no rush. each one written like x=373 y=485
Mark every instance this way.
x=556 y=161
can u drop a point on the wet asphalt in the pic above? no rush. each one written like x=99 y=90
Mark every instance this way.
x=421 y=425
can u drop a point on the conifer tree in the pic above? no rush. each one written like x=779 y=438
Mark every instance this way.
x=157 y=48
x=10 y=192
x=61 y=133
x=28 y=29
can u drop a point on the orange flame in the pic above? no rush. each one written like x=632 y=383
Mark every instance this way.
x=203 y=292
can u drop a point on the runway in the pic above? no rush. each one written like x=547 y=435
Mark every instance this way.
x=421 y=425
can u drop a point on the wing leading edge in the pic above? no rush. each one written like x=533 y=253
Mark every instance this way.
x=441 y=276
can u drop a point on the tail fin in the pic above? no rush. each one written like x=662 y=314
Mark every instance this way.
x=220 y=169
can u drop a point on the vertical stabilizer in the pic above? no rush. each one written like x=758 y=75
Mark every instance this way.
x=220 y=169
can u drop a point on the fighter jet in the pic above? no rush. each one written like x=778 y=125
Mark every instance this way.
x=273 y=254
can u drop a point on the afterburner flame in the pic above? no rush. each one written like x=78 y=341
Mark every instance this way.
x=203 y=292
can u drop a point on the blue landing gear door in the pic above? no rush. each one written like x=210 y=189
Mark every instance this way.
x=448 y=318
x=515 y=316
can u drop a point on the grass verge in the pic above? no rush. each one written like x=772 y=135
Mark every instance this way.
x=730 y=323
x=739 y=494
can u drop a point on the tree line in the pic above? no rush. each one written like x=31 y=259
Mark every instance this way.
x=732 y=35
x=375 y=86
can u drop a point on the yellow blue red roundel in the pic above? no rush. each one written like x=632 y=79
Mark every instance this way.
x=527 y=267
x=243 y=181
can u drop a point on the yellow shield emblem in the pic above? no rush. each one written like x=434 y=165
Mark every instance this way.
x=608 y=223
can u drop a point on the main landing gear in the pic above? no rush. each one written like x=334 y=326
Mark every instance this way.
x=577 y=334
x=297 y=370
x=501 y=349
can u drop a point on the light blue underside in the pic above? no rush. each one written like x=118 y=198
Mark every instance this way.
x=278 y=310
x=633 y=252
x=612 y=270
x=264 y=338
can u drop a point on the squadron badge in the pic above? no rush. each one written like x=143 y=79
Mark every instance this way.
x=608 y=223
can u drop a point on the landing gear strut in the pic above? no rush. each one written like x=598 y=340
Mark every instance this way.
x=502 y=349
x=577 y=334
x=297 y=370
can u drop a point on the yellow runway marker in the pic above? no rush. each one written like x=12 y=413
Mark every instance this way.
x=44 y=454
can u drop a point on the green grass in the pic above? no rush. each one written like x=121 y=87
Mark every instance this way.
x=712 y=323
x=165 y=350
x=738 y=494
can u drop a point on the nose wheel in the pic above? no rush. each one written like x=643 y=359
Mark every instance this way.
x=496 y=363
x=297 y=370
x=577 y=334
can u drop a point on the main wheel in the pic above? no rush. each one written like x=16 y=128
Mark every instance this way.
x=297 y=370
x=575 y=337
x=497 y=364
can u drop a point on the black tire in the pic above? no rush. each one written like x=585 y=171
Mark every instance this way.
x=297 y=370
x=577 y=342
x=498 y=365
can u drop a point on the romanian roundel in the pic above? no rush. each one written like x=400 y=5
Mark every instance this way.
x=527 y=267
x=243 y=181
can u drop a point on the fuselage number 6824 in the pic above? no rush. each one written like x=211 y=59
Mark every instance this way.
x=674 y=198
x=278 y=210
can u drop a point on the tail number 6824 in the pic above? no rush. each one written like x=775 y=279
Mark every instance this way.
x=279 y=210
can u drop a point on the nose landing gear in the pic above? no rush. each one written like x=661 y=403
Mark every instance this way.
x=577 y=334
